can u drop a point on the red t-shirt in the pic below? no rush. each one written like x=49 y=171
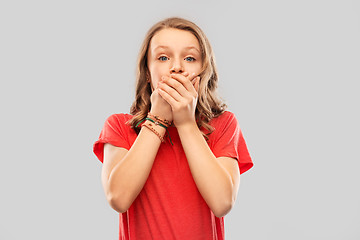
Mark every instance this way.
x=170 y=206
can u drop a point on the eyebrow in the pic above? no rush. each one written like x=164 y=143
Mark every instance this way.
x=187 y=48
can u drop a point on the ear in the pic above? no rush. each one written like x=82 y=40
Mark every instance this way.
x=148 y=77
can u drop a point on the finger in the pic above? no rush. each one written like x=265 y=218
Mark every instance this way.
x=170 y=90
x=185 y=74
x=168 y=98
x=193 y=76
x=193 y=81
x=185 y=81
x=197 y=83
x=177 y=85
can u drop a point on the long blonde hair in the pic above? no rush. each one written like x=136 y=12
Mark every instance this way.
x=209 y=104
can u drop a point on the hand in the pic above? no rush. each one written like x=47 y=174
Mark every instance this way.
x=180 y=92
x=159 y=106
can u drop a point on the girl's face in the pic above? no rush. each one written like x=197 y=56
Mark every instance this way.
x=173 y=51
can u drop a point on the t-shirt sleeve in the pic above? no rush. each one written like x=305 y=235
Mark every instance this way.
x=113 y=132
x=229 y=142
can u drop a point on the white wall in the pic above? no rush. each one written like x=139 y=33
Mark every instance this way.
x=289 y=70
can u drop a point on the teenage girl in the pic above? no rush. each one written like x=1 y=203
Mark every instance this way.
x=172 y=167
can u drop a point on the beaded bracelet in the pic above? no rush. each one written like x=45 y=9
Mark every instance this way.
x=166 y=122
x=154 y=131
x=156 y=122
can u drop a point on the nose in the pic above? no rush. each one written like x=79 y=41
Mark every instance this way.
x=176 y=67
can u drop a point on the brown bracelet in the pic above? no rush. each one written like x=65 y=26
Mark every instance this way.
x=154 y=131
x=167 y=123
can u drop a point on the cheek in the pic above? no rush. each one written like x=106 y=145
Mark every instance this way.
x=154 y=78
x=194 y=68
x=157 y=71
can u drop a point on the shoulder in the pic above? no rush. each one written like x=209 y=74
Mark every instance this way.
x=119 y=118
x=224 y=124
x=118 y=122
x=224 y=119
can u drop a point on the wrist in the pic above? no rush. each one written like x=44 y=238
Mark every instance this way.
x=161 y=115
x=154 y=129
x=158 y=128
x=156 y=124
x=188 y=126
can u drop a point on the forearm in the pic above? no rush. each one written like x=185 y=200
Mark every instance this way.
x=211 y=178
x=128 y=177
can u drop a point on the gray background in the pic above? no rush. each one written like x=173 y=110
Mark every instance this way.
x=289 y=70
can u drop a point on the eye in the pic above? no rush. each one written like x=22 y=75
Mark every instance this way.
x=163 y=58
x=190 y=59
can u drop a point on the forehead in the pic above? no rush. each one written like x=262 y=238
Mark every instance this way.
x=175 y=39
